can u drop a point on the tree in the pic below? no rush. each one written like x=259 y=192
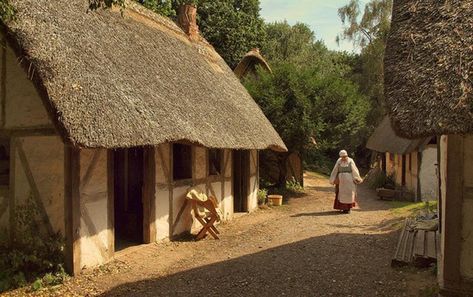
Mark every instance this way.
x=233 y=27
x=369 y=33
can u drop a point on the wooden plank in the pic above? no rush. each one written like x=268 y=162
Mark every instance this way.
x=110 y=203
x=30 y=131
x=171 y=190
x=11 y=194
x=166 y=169
x=72 y=209
x=419 y=246
x=3 y=86
x=453 y=211
x=34 y=189
x=149 y=199
x=430 y=245
x=4 y=207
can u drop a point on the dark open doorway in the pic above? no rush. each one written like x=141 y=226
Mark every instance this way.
x=128 y=197
x=241 y=178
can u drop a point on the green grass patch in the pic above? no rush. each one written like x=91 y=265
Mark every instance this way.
x=412 y=208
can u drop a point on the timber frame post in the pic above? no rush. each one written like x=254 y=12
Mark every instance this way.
x=72 y=208
x=452 y=216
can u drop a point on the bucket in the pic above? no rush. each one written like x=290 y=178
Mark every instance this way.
x=275 y=200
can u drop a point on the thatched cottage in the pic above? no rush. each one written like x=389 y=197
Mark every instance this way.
x=107 y=120
x=411 y=162
x=429 y=88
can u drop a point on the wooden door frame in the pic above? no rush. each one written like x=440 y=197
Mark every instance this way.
x=148 y=195
x=246 y=175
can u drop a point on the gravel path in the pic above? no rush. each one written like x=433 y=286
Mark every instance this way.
x=303 y=248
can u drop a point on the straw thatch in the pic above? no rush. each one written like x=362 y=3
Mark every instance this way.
x=429 y=67
x=119 y=81
x=249 y=63
x=384 y=139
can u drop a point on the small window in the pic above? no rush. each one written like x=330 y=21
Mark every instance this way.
x=181 y=161
x=215 y=161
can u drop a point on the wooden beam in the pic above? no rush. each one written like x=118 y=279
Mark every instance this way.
x=3 y=206
x=171 y=190
x=111 y=203
x=34 y=188
x=30 y=131
x=72 y=209
x=453 y=211
x=149 y=196
x=3 y=84
x=11 y=193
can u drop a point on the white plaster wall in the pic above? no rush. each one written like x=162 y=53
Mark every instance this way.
x=163 y=166
x=428 y=175
x=467 y=211
x=45 y=160
x=23 y=106
x=186 y=220
x=94 y=227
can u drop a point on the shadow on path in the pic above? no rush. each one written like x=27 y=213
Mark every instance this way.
x=318 y=266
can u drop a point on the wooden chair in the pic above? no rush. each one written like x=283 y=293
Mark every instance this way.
x=205 y=210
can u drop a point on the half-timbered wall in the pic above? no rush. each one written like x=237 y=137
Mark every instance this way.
x=428 y=174
x=21 y=107
x=173 y=212
x=456 y=178
x=37 y=173
x=96 y=237
x=254 y=181
x=467 y=210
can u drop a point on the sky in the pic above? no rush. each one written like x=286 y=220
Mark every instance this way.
x=320 y=15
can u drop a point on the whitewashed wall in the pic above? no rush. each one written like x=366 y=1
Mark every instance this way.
x=38 y=173
x=428 y=174
x=95 y=233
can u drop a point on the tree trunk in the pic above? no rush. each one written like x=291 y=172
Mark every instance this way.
x=282 y=159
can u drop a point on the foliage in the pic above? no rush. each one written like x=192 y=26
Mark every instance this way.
x=30 y=256
x=7 y=12
x=261 y=195
x=382 y=180
x=369 y=32
x=233 y=27
x=294 y=186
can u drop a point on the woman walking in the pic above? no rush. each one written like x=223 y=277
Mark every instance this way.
x=345 y=176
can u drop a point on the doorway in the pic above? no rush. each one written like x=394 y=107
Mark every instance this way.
x=241 y=178
x=128 y=197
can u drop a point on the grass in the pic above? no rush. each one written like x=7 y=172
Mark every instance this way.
x=412 y=208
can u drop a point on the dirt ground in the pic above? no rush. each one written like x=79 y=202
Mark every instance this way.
x=303 y=248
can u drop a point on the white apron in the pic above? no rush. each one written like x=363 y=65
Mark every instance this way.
x=347 y=186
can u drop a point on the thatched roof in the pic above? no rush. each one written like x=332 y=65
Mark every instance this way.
x=120 y=81
x=429 y=67
x=384 y=139
x=249 y=62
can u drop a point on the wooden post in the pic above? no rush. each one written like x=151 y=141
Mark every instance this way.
x=453 y=213
x=111 y=202
x=72 y=208
x=149 y=197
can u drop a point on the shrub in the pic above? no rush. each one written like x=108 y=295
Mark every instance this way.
x=262 y=194
x=31 y=257
x=294 y=186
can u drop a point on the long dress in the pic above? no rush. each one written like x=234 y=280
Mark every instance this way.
x=345 y=190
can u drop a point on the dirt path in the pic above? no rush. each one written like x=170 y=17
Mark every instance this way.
x=300 y=249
